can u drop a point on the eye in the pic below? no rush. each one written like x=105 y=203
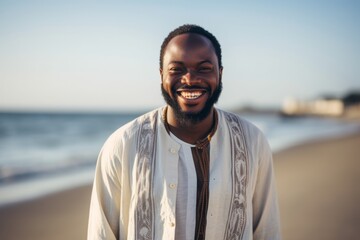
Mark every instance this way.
x=175 y=70
x=205 y=69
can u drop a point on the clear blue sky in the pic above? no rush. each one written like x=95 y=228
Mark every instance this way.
x=103 y=55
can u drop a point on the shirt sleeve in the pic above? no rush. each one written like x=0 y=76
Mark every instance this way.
x=105 y=199
x=266 y=220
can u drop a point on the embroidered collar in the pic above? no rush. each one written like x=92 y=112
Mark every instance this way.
x=202 y=143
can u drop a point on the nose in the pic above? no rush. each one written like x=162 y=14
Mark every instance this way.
x=190 y=78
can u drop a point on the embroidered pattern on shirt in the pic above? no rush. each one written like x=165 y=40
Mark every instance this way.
x=144 y=213
x=237 y=212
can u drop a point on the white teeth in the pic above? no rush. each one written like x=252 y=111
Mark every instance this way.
x=191 y=95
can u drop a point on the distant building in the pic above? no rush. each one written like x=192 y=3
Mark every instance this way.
x=347 y=106
x=321 y=107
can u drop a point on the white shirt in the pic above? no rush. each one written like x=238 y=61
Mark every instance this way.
x=186 y=193
x=137 y=176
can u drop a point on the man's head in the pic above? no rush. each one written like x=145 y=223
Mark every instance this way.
x=191 y=28
x=190 y=68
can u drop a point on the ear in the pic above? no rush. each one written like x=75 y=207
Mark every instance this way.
x=161 y=73
x=220 y=73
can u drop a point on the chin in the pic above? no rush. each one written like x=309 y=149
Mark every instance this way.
x=194 y=110
x=188 y=117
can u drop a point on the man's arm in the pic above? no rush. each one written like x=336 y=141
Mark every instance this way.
x=266 y=220
x=105 y=199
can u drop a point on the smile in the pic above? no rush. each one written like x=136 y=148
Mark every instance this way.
x=191 y=95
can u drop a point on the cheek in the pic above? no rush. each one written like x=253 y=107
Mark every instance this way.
x=169 y=83
x=213 y=81
x=167 y=86
x=166 y=83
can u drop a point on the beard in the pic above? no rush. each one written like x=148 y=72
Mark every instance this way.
x=184 y=118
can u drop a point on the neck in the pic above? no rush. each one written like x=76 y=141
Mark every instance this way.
x=190 y=132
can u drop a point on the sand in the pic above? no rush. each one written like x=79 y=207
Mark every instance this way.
x=58 y=216
x=317 y=185
x=318 y=189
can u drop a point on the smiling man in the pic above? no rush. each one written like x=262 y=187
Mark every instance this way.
x=187 y=170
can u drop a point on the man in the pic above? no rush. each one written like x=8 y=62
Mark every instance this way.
x=186 y=170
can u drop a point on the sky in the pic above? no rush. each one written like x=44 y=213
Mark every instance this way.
x=104 y=55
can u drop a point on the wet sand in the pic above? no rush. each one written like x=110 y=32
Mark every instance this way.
x=317 y=184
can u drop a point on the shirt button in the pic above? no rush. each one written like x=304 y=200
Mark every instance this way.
x=173 y=150
x=172 y=185
x=172 y=224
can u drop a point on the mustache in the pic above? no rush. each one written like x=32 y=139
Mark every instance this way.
x=190 y=87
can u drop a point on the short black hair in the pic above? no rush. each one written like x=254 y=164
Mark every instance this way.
x=191 y=28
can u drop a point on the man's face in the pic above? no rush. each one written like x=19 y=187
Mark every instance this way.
x=191 y=77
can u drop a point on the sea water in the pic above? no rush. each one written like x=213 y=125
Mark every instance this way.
x=41 y=153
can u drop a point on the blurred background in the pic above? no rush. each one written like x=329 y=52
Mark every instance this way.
x=71 y=72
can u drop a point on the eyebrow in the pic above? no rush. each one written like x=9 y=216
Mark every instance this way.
x=205 y=61
x=182 y=63
x=176 y=62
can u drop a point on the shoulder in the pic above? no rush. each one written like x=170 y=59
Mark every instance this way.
x=127 y=133
x=251 y=134
x=256 y=145
x=234 y=120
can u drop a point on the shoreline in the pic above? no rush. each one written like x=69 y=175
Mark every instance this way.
x=317 y=190
x=27 y=180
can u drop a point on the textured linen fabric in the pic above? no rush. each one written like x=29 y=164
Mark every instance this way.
x=186 y=193
x=135 y=187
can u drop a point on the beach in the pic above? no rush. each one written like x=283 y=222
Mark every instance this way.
x=318 y=189
x=317 y=185
x=57 y=216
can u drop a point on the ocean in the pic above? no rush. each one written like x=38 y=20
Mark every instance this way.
x=42 y=153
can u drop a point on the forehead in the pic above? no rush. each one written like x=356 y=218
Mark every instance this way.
x=190 y=47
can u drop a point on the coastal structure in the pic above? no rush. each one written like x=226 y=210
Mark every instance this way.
x=316 y=107
x=348 y=106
